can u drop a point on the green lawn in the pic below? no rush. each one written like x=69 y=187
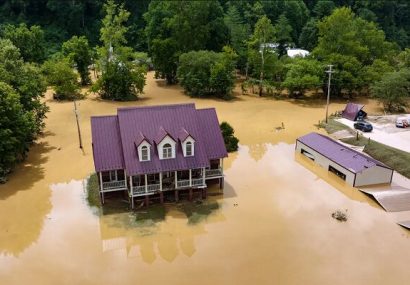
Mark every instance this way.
x=397 y=159
x=333 y=126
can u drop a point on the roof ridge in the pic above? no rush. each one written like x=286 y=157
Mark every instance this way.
x=156 y=107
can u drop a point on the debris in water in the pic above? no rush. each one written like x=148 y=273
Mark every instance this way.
x=340 y=216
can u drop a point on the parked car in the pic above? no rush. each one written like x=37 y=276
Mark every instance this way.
x=363 y=126
x=403 y=122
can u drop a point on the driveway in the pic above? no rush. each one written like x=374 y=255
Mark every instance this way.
x=385 y=131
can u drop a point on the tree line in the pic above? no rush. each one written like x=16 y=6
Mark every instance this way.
x=200 y=44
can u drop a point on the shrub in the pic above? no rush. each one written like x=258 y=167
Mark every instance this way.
x=231 y=142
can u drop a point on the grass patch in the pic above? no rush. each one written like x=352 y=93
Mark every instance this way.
x=198 y=211
x=395 y=158
x=332 y=125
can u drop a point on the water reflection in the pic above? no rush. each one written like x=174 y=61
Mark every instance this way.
x=165 y=239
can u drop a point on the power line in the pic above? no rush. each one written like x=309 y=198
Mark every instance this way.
x=329 y=71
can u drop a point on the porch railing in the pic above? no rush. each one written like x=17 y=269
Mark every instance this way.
x=114 y=185
x=183 y=183
x=213 y=172
x=198 y=182
x=138 y=190
x=153 y=188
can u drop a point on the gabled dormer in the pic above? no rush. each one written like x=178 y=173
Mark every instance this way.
x=143 y=148
x=187 y=143
x=166 y=145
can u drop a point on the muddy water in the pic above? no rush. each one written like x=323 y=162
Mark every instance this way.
x=279 y=232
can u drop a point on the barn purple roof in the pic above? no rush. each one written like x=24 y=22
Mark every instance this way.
x=346 y=157
x=351 y=111
x=114 y=143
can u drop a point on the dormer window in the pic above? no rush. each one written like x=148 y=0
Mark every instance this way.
x=188 y=146
x=144 y=153
x=167 y=151
x=188 y=149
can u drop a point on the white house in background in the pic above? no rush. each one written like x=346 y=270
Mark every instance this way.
x=356 y=168
x=294 y=52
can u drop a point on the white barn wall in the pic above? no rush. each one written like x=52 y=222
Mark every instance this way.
x=325 y=162
x=374 y=175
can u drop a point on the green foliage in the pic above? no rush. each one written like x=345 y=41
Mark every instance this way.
x=17 y=128
x=350 y=43
x=176 y=27
x=323 y=8
x=283 y=34
x=122 y=76
x=239 y=32
x=30 y=41
x=26 y=80
x=121 y=81
x=393 y=90
x=206 y=73
x=231 y=142
x=78 y=51
x=62 y=77
x=303 y=74
x=309 y=35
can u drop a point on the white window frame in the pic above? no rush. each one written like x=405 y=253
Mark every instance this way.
x=144 y=153
x=184 y=144
x=189 y=151
x=167 y=151
x=142 y=146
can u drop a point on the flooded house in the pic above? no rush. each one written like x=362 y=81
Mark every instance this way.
x=356 y=168
x=157 y=151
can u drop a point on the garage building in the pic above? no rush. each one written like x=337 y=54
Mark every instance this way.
x=356 y=168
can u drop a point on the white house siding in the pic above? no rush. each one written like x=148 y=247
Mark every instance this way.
x=374 y=175
x=325 y=162
x=166 y=140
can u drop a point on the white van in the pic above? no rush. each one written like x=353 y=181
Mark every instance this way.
x=403 y=122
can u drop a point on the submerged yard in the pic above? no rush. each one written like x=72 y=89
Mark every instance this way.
x=271 y=225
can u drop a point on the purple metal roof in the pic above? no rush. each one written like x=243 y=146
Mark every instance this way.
x=155 y=122
x=106 y=139
x=351 y=111
x=346 y=157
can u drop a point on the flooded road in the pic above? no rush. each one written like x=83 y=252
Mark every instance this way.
x=273 y=224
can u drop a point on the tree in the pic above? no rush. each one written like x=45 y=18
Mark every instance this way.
x=239 y=33
x=62 y=77
x=26 y=80
x=16 y=130
x=303 y=74
x=176 y=27
x=262 y=37
x=393 y=90
x=283 y=31
x=309 y=35
x=121 y=81
x=122 y=76
x=350 y=44
x=323 y=8
x=231 y=142
x=206 y=73
x=30 y=41
x=78 y=51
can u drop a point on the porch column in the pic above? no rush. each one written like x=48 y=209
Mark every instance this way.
x=203 y=175
x=101 y=189
x=125 y=179
x=146 y=184
x=190 y=177
x=176 y=179
x=160 y=181
x=222 y=166
x=132 y=193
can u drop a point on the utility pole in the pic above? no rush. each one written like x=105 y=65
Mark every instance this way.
x=78 y=125
x=330 y=71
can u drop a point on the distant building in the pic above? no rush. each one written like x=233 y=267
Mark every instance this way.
x=291 y=52
x=356 y=168
x=152 y=151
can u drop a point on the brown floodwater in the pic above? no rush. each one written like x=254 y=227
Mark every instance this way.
x=273 y=224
